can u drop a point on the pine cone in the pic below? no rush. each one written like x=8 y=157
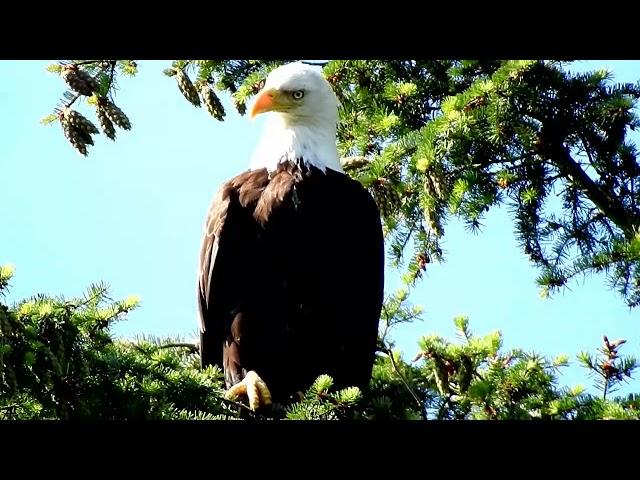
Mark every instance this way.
x=93 y=83
x=437 y=184
x=434 y=225
x=79 y=80
x=106 y=124
x=79 y=121
x=86 y=138
x=75 y=137
x=429 y=188
x=386 y=196
x=187 y=88
x=503 y=183
x=616 y=343
x=212 y=102
x=116 y=115
x=334 y=79
x=256 y=87
x=423 y=259
x=241 y=107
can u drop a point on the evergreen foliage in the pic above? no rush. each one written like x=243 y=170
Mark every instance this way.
x=432 y=140
x=59 y=360
x=436 y=139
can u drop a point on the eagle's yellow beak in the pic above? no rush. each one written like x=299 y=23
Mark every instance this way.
x=266 y=101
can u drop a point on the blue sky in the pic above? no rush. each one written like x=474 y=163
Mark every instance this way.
x=131 y=214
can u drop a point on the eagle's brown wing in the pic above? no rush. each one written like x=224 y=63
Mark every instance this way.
x=291 y=279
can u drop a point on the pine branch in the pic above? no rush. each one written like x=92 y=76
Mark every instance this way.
x=72 y=101
x=191 y=346
x=419 y=404
x=111 y=75
x=319 y=64
x=552 y=141
x=255 y=415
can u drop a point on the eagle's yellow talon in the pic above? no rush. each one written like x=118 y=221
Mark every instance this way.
x=254 y=388
x=265 y=394
x=236 y=391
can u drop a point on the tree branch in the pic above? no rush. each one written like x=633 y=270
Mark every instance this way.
x=405 y=383
x=191 y=346
x=553 y=147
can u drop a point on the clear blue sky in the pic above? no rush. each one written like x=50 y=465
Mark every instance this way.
x=131 y=214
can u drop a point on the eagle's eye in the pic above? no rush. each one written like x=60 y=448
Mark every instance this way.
x=297 y=95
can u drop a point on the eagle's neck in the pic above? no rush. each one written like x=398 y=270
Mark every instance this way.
x=286 y=138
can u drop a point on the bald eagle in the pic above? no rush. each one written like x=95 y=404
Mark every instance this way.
x=292 y=258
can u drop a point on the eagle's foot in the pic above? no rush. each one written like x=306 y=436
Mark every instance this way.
x=254 y=388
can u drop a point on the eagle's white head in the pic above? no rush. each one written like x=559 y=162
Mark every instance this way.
x=303 y=119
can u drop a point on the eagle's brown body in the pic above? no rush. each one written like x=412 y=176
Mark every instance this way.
x=291 y=279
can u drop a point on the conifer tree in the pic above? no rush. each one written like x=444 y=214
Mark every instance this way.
x=431 y=140
x=435 y=139
x=59 y=360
